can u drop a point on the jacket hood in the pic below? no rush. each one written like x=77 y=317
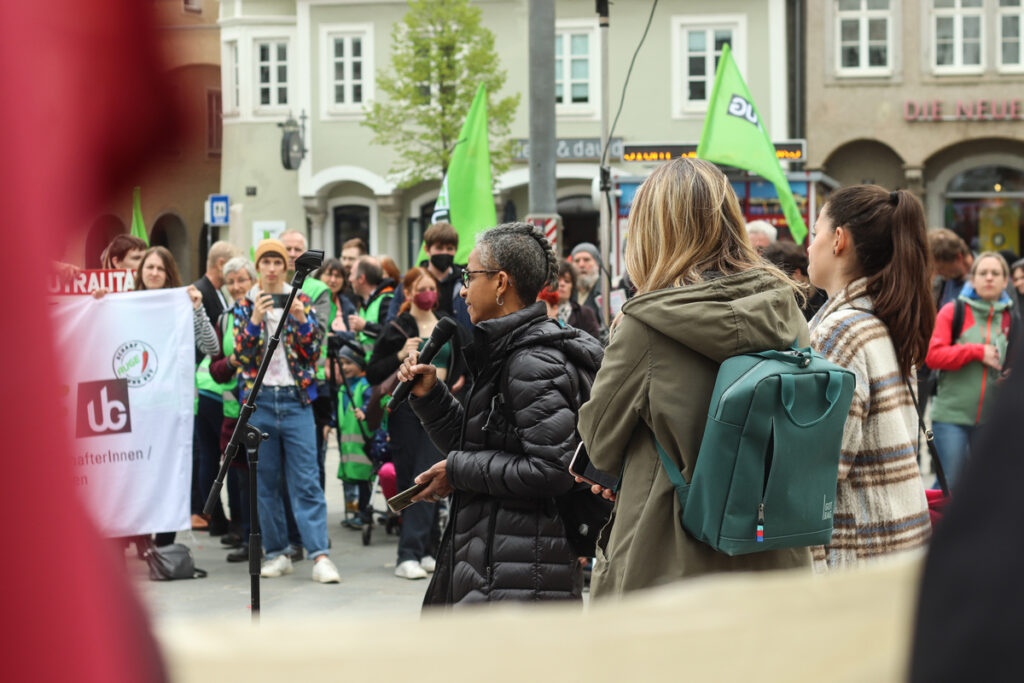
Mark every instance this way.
x=968 y=294
x=532 y=327
x=724 y=317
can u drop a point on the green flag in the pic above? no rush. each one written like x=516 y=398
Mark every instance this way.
x=466 y=192
x=138 y=226
x=733 y=136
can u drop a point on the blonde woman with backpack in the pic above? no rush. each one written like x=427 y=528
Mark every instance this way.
x=869 y=252
x=703 y=295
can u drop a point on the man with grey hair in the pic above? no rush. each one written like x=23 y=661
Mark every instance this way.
x=761 y=234
x=295 y=243
x=212 y=281
x=587 y=260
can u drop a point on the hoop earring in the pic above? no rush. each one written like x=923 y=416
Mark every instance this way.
x=499 y=300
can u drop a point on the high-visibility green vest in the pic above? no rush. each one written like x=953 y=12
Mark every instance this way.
x=313 y=288
x=370 y=314
x=355 y=463
x=222 y=392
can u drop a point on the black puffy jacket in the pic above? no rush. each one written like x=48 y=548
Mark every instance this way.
x=505 y=539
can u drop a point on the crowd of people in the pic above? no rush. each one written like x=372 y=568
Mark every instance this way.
x=534 y=368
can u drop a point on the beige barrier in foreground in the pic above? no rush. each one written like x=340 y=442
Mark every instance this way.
x=784 y=626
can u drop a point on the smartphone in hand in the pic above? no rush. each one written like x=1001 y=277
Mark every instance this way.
x=580 y=466
x=280 y=300
x=400 y=501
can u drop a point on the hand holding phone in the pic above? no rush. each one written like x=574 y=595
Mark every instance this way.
x=402 y=500
x=581 y=467
x=279 y=300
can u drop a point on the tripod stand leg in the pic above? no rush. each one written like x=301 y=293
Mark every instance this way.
x=252 y=440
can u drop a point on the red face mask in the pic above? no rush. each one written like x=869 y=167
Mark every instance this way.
x=549 y=296
x=425 y=301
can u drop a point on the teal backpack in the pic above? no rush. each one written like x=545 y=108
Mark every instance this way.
x=768 y=464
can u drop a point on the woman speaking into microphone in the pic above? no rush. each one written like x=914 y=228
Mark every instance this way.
x=508 y=448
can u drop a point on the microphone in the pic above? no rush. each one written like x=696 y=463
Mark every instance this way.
x=442 y=333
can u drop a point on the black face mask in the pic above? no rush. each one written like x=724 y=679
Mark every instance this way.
x=442 y=262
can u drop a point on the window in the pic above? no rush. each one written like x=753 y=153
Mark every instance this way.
x=214 y=124
x=1011 y=46
x=346 y=84
x=703 y=50
x=272 y=70
x=192 y=5
x=864 y=34
x=572 y=68
x=696 y=48
x=348 y=70
x=577 y=67
x=958 y=36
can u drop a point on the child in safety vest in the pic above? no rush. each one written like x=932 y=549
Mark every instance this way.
x=354 y=435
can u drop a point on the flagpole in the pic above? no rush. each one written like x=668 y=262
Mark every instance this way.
x=604 y=230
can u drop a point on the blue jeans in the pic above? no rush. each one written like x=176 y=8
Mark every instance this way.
x=953 y=443
x=289 y=455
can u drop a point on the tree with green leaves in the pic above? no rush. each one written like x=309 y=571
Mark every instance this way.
x=440 y=54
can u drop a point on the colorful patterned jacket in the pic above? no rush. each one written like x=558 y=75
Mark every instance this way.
x=301 y=344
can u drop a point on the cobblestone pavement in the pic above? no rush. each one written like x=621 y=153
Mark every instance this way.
x=368 y=582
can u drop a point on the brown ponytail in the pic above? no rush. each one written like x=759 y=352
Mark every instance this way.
x=891 y=244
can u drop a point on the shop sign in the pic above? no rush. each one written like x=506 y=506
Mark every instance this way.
x=788 y=150
x=963 y=110
x=572 y=149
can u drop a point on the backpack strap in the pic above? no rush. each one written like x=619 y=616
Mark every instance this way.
x=959 y=308
x=674 y=475
x=930 y=439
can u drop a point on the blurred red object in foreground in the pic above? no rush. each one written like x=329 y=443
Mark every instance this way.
x=83 y=104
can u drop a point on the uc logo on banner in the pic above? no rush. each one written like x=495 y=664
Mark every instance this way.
x=739 y=107
x=103 y=408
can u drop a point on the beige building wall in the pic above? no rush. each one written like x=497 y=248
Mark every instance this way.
x=905 y=128
x=343 y=168
x=178 y=179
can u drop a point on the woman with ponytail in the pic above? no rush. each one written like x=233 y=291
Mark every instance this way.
x=508 y=446
x=870 y=253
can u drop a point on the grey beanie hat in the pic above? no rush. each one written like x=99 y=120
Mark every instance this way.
x=587 y=247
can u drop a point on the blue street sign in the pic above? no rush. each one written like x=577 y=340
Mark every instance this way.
x=219 y=205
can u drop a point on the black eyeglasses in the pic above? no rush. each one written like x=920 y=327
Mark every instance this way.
x=466 y=274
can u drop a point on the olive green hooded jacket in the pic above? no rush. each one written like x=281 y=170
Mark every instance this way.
x=656 y=380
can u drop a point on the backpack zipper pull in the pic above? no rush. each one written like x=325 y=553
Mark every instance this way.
x=760 y=522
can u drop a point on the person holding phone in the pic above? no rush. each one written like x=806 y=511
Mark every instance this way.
x=285 y=412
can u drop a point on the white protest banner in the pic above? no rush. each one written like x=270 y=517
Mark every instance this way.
x=88 y=281
x=129 y=386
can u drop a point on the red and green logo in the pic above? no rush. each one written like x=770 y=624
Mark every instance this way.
x=136 y=362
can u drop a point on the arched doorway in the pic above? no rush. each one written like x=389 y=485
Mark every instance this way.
x=350 y=221
x=985 y=206
x=579 y=220
x=169 y=231
x=866 y=161
x=103 y=229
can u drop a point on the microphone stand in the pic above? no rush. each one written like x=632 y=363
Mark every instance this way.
x=249 y=436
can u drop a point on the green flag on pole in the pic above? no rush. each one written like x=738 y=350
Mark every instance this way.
x=466 y=192
x=138 y=226
x=733 y=136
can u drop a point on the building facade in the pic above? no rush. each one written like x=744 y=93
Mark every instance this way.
x=178 y=180
x=926 y=95
x=286 y=58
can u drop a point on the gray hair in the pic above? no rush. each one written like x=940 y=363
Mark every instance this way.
x=763 y=228
x=522 y=251
x=241 y=263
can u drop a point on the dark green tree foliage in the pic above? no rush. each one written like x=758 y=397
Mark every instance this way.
x=440 y=54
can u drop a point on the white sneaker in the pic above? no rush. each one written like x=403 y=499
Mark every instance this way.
x=410 y=569
x=428 y=563
x=282 y=564
x=324 y=571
